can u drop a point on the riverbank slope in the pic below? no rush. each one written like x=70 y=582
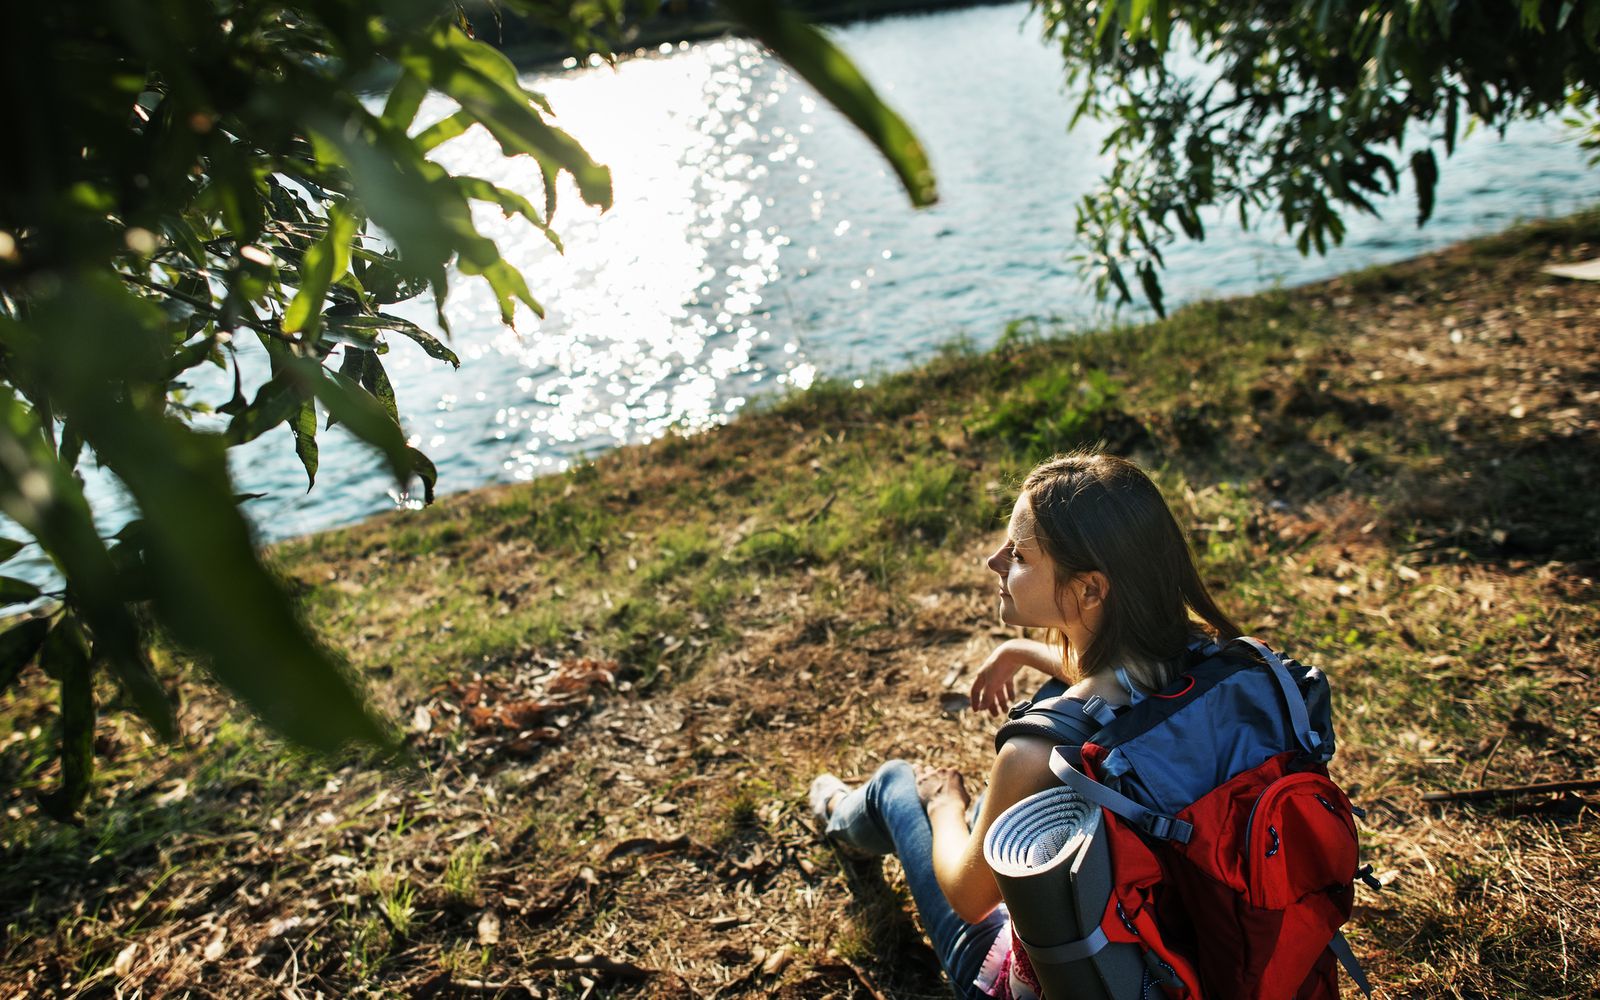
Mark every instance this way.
x=616 y=683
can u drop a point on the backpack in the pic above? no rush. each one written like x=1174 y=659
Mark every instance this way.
x=1233 y=855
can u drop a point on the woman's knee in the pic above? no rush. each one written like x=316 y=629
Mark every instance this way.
x=894 y=779
x=895 y=773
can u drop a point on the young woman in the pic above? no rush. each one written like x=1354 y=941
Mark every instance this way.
x=1094 y=554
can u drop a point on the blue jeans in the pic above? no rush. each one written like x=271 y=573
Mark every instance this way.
x=885 y=816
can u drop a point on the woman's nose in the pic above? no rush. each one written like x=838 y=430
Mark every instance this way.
x=998 y=561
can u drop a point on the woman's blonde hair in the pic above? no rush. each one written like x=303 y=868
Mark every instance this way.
x=1094 y=511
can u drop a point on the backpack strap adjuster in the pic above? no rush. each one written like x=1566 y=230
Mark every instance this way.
x=1097 y=709
x=1158 y=825
x=1166 y=827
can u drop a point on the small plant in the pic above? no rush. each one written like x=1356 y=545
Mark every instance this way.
x=396 y=900
x=369 y=946
x=461 y=873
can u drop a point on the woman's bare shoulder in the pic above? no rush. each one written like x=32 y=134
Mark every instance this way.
x=1103 y=685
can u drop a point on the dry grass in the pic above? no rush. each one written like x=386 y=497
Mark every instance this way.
x=1390 y=473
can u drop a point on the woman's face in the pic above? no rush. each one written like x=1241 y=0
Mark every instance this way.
x=1027 y=576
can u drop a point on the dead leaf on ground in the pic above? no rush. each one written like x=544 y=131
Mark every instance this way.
x=489 y=928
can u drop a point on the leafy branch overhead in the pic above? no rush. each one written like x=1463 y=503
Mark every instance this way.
x=194 y=184
x=1306 y=109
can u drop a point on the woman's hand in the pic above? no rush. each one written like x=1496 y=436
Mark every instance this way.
x=995 y=688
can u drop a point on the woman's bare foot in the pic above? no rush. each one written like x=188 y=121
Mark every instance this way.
x=938 y=783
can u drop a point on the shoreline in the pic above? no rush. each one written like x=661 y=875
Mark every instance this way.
x=552 y=54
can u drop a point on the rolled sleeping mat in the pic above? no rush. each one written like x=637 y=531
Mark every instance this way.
x=1052 y=860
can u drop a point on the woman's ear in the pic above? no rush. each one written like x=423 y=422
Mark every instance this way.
x=1092 y=589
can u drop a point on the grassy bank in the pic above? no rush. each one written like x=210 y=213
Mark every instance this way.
x=616 y=683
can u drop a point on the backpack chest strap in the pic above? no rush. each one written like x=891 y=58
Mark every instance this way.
x=1156 y=824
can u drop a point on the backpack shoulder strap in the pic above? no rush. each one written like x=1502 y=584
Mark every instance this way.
x=1062 y=720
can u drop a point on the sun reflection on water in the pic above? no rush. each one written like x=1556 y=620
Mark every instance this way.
x=656 y=310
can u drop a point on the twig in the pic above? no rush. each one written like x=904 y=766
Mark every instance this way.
x=846 y=967
x=1489 y=759
x=1507 y=791
x=648 y=845
x=598 y=964
x=444 y=983
x=820 y=510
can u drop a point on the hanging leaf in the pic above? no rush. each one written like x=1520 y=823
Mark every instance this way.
x=10 y=547
x=14 y=591
x=370 y=325
x=425 y=472
x=304 y=425
x=510 y=202
x=58 y=518
x=404 y=100
x=376 y=381
x=822 y=64
x=211 y=592
x=444 y=130
x=279 y=399
x=362 y=415
x=18 y=646
x=65 y=658
x=1425 y=172
x=484 y=82
x=508 y=286
x=326 y=261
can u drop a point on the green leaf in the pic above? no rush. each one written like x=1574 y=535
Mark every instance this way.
x=510 y=202
x=426 y=472
x=134 y=673
x=404 y=100
x=18 y=646
x=58 y=517
x=362 y=415
x=550 y=176
x=277 y=400
x=352 y=366
x=376 y=381
x=384 y=321
x=71 y=447
x=484 y=82
x=326 y=261
x=189 y=355
x=9 y=547
x=1425 y=172
x=304 y=426
x=443 y=130
x=830 y=71
x=67 y=660
x=508 y=285
x=212 y=593
x=1152 y=287
x=14 y=591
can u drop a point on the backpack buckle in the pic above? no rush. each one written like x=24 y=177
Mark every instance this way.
x=1166 y=827
x=1020 y=709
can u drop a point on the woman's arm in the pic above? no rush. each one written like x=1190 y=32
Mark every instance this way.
x=1021 y=769
x=994 y=688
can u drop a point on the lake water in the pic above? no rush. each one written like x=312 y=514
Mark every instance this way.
x=758 y=243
